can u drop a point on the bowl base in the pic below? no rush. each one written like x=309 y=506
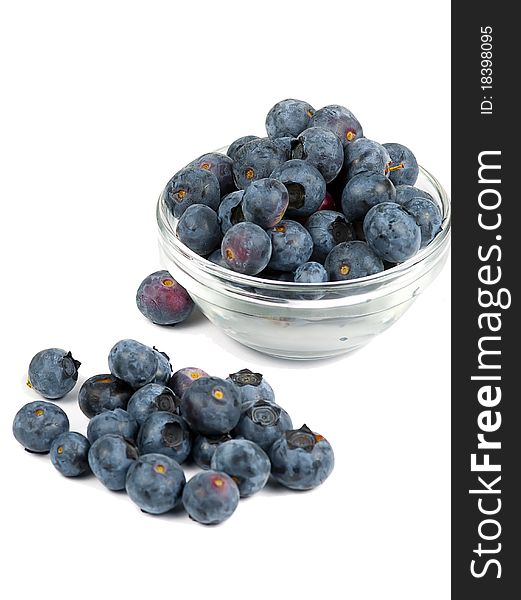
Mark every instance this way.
x=300 y=355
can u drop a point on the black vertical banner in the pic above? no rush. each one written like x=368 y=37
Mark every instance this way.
x=486 y=403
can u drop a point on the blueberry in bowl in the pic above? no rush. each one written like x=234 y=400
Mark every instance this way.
x=190 y=186
x=248 y=277
x=328 y=228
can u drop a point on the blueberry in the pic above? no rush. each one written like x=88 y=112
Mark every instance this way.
x=230 y=211
x=288 y=118
x=351 y=260
x=221 y=166
x=182 y=379
x=69 y=453
x=401 y=155
x=103 y=392
x=133 y=362
x=322 y=149
x=305 y=184
x=165 y=433
x=265 y=202
x=404 y=193
x=245 y=462
x=190 y=186
x=311 y=272
x=365 y=155
x=252 y=386
x=291 y=245
x=155 y=483
x=198 y=228
x=110 y=457
x=263 y=423
x=427 y=216
x=392 y=232
x=340 y=121
x=210 y=497
x=116 y=421
x=365 y=190
x=217 y=259
x=246 y=248
x=151 y=398
x=327 y=229
x=53 y=373
x=204 y=447
x=301 y=459
x=162 y=300
x=211 y=406
x=256 y=160
x=239 y=143
x=37 y=424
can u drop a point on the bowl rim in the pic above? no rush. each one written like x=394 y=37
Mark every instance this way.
x=168 y=232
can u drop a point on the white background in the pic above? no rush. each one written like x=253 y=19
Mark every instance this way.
x=101 y=103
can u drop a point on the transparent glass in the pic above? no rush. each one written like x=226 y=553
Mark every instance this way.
x=304 y=320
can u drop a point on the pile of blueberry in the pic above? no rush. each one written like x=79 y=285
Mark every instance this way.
x=145 y=422
x=314 y=201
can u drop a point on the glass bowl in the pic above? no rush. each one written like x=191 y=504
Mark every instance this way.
x=304 y=320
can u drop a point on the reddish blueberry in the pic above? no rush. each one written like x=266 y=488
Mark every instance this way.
x=182 y=379
x=340 y=121
x=328 y=203
x=162 y=300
